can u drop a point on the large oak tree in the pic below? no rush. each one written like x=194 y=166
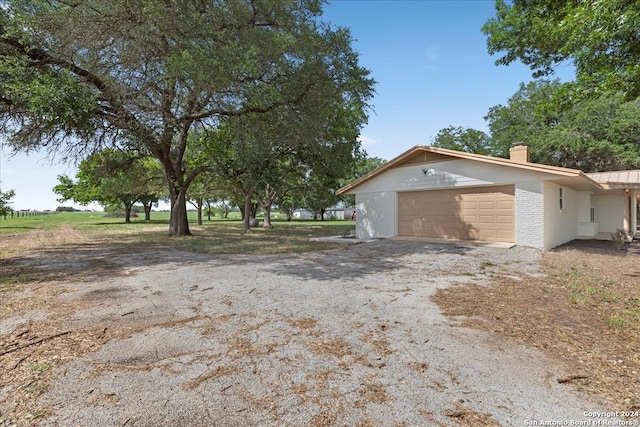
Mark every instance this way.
x=599 y=37
x=77 y=75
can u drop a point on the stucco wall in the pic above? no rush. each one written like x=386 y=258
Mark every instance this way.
x=609 y=211
x=561 y=225
x=376 y=215
x=529 y=213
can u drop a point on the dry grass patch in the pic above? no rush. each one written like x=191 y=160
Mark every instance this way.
x=373 y=393
x=585 y=312
x=337 y=347
x=304 y=323
x=220 y=371
x=470 y=418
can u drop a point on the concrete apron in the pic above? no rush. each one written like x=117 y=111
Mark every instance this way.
x=340 y=239
x=502 y=245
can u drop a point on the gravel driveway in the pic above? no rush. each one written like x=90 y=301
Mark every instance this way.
x=346 y=338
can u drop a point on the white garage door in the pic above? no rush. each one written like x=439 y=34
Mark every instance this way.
x=485 y=213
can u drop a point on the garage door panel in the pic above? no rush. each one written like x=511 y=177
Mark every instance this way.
x=504 y=204
x=487 y=204
x=485 y=213
x=504 y=236
x=487 y=219
x=503 y=219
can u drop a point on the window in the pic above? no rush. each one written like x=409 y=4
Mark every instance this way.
x=561 y=199
x=593 y=215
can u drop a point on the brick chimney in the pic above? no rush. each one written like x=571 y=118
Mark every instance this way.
x=519 y=153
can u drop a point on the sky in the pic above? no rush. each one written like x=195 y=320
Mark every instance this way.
x=430 y=61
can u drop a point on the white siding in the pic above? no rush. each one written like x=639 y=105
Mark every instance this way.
x=560 y=225
x=539 y=221
x=376 y=215
x=453 y=173
x=530 y=214
x=377 y=201
x=586 y=228
x=609 y=211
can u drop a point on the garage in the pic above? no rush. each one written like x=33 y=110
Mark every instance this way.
x=480 y=213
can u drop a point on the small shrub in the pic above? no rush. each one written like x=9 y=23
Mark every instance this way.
x=619 y=238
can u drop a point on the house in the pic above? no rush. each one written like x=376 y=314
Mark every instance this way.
x=439 y=193
x=302 y=214
x=338 y=212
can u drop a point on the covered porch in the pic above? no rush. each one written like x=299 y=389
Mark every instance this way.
x=626 y=183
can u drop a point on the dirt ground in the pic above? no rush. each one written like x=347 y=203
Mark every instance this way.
x=91 y=335
x=585 y=311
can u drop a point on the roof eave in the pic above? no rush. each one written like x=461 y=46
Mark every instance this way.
x=469 y=156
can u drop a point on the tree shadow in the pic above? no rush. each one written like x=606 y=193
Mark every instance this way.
x=360 y=260
x=9 y=228
x=89 y=262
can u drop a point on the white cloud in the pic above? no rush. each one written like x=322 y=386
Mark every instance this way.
x=367 y=140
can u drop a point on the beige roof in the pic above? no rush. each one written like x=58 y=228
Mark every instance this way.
x=617 y=179
x=565 y=174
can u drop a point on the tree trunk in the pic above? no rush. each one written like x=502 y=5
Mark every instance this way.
x=127 y=212
x=174 y=175
x=247 y=209
x=179 y=223
x=199 y=208
x=322 y=211
x=266 y=207
x=147 y=210
x=208 y=210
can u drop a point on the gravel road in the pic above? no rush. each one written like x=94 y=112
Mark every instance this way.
x=340 y=338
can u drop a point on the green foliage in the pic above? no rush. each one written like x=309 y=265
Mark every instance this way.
x=65 y=208
x=363 y=166
x=529 y=113
x=113 y=177
x=598 y=134
x=64 y=189
x=5 y=201
x=593 y=135
x=463 y=139
x=145 y=76
x=285 y=158
x=600 y=38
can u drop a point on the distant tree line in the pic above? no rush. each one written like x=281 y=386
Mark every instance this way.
x=123 y=180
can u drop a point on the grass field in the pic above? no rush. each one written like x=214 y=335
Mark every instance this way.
x=215 y=236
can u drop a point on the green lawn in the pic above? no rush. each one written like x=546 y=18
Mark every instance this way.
x=215 y=236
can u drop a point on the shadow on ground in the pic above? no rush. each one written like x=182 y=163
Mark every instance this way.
x=93 y=261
